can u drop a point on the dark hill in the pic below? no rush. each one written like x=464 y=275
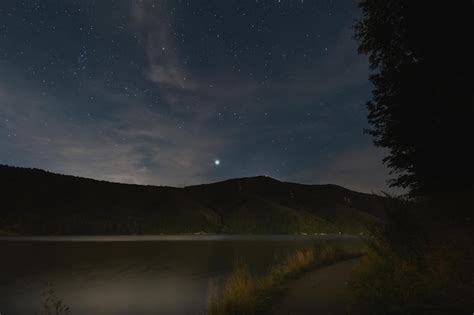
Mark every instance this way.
x=39 y=202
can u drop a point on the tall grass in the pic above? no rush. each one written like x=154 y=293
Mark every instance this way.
x=245 y=293
x=52 y=304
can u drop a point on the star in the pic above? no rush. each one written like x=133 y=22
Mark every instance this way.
x=189 y=81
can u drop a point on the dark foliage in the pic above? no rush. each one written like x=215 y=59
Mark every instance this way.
x=402 y=229
x=421 y=259
x=422 y=106
x=417 y=263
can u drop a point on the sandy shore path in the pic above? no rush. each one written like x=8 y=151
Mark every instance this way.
x=322 y=291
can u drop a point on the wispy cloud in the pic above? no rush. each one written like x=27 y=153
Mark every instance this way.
x=191 y=114
x=152 y=26
x=131 y=144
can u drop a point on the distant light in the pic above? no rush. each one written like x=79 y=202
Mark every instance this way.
x=217 y=162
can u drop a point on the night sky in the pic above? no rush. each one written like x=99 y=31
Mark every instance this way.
x=156 y=92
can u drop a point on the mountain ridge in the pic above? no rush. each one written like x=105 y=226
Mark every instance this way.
x=262 y=177
x=42 y=202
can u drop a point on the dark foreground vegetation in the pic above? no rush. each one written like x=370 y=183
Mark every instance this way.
x=419 y=262
x=421 y=258
x=52 y=304
x=36 y=202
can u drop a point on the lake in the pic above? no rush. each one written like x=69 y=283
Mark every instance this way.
x=96 y=275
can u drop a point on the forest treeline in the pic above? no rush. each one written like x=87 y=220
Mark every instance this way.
x=42 y=203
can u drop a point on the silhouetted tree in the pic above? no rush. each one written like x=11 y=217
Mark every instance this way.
x=422 y=105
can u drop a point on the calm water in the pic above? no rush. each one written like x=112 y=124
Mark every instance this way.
x=96 y=275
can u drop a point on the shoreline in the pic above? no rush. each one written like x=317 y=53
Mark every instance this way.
x=178 y=237
x=245 y=293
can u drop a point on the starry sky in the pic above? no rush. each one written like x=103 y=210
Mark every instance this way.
x=156 y=91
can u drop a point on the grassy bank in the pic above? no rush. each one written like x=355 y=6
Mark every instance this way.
x=420 y=261
x=245 y=293
x=438 y=280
